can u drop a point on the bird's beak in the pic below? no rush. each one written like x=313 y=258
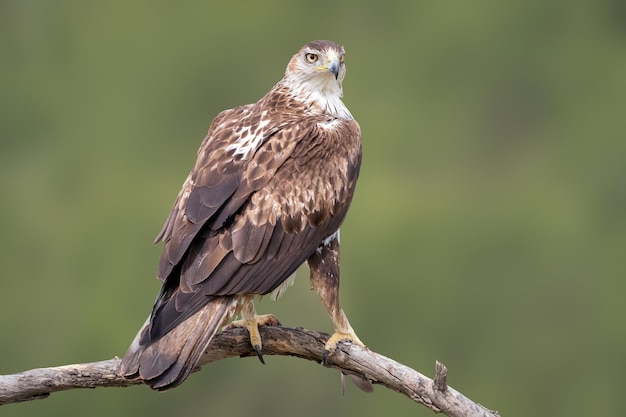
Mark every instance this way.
x=333 y=66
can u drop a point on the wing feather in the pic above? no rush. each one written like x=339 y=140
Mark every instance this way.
x=205 y=200
x=246 y=231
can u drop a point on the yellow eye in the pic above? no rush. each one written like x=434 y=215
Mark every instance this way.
x=341 y=59
x=311 y=57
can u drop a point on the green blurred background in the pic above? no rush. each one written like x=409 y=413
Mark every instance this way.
x=488 y=230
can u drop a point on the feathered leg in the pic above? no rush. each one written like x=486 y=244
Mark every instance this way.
x=324 y=266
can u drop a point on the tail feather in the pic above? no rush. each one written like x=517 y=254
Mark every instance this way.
x=166 y=362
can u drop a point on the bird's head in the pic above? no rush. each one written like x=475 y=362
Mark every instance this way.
x=316 y=73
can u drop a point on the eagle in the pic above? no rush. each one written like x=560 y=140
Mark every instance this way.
x=270 y=188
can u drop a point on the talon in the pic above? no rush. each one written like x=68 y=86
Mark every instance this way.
x=259 y=353
x=334 y=340
x=252 y=325
x=325 y=355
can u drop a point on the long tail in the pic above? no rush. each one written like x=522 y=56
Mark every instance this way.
x=166 y=362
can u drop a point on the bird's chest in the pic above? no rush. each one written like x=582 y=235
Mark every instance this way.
x=317 y=183
x=326 y=169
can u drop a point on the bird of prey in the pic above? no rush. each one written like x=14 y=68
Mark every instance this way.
x=270 y=188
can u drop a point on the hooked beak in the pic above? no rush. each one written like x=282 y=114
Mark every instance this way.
x=333 y=63
x=333 y=66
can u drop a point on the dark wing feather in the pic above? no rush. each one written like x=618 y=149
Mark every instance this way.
x=215 y=139
x=219 y=184
x=205 y=200
x=292 y=193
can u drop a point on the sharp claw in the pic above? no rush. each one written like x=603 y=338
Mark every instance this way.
x=325 y=355
x=259 y=354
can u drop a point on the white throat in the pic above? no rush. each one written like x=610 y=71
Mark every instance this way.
x=323 y=93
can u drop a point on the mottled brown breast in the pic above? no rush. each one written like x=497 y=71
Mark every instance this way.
x=318 y=181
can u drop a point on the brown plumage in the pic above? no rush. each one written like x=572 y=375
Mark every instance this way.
x=271 y=186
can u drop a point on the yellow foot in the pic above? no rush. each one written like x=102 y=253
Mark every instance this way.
x=335 y=339
x=253 y=328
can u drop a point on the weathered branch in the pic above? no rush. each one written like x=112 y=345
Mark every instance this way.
x=306 y=344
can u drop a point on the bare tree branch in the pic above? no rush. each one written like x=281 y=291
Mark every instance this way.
x=350 y=359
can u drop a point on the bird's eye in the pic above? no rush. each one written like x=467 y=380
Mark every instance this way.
x=311 y=57
x=341 y=59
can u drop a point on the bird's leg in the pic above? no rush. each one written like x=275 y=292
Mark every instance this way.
x=324 y=266
x=251 y=321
